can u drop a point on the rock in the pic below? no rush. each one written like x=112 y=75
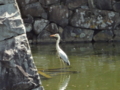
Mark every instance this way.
x=28 y=27
x=52 y=28
x=77 y=34
x=104 y=35
x=17 y=65
x=48 y=2
x=116 y=6
x=22 y=3
x=99 y=19
x=39 y=25
x=59 y=14
x=10 y=21
x=101 y=4
x=72 y=4
x=117 y=35
x=7 y=1
x=33 y=9
x=44 y=37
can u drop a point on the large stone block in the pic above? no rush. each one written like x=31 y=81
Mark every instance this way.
x=104 y=35
x=117 y=35
x=17 y=65
x=59 y=14
x=97 y=19
x=10 y=21
x=101 y=4
x=34 y=9
x=116 y=6
x=77 y=34
x=72 y=4
x=39 y=25
x=48 y=2
x=7 y=1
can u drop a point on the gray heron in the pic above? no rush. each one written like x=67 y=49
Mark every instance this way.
x=61 y=54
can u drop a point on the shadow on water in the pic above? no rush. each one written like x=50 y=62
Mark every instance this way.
x=98 y=64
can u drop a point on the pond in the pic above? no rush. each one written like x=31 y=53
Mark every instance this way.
x=93 y=66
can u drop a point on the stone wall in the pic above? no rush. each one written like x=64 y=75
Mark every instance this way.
x=17 y=69
x=74 y=20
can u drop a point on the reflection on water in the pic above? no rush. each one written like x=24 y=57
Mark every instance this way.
x=98 y=64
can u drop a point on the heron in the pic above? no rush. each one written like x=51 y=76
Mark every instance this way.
x=61 y=54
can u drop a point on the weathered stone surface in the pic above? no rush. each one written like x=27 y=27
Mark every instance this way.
x=48 y=2
x=28 y=27
x=72 y=4
x=101 y=4
x=104 y=35
x=17 y=65
x=77 y=34
x=117 y=35
x=99 y=19
x=116 y=6
x=44 y=37
x=39 y=25
x=59 y=14
x=52 y=28
x=33 y=9
x=6 y=1
x=10 y=21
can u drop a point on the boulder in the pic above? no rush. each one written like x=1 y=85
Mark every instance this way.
x=101 y=4
x=34 y=9
x=17 y=67
x=39 y=25
x=97 y=19
x=116 y=6
x=10 y=21
x=77 y=34
x=72 y=4
x=48 y=2
x=7 y=1
x=28 y=27
x=59 y=14
x=104 y=35
x=52 y=28
x=117 y=35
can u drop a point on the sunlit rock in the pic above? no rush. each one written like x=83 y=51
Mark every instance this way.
x=28 y=27
x=10 y=21
x=99 y=19
x=39 y=25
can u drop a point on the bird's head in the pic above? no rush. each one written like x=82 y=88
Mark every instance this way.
x=55 y=35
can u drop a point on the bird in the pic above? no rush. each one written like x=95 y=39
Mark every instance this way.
x=61 y=54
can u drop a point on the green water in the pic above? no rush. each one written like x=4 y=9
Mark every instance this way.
x=98 y=64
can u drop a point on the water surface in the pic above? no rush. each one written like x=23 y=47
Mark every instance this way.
x=98 y=64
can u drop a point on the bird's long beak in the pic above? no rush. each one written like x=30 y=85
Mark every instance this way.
x=52 y=35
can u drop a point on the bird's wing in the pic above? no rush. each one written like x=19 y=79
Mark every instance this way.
x=63 y=56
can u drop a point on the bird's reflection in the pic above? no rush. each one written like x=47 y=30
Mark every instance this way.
x=64 y=82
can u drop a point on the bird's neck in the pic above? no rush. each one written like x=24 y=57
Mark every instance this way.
x=57 y=43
